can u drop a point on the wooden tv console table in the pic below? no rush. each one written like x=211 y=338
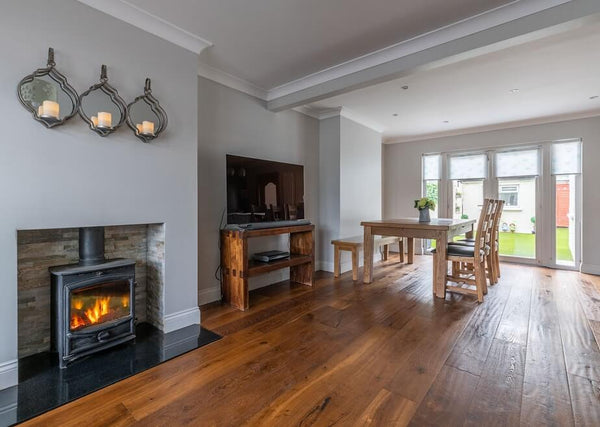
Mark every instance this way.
x=237 y=268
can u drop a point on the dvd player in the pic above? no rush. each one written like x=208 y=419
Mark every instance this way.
x=270 y=256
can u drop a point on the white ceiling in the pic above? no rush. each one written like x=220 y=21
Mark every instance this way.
x=555 y=76
x=272 y=42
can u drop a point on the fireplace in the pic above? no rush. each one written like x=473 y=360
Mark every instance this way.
x=93 y=301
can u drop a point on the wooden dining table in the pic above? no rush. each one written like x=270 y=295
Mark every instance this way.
x=442 y=230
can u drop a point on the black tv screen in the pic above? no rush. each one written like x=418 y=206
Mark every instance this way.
x=262 y=190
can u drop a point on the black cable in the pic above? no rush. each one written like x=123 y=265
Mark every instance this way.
x=219 y=270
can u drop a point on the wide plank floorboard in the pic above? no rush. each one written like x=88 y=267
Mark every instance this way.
x=384 y=354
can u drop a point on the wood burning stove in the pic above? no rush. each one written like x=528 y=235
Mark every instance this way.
x=93 y=301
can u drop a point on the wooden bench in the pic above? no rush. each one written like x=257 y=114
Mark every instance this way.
x=355 y=244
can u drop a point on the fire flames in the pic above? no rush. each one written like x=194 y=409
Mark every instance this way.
x=99 y=310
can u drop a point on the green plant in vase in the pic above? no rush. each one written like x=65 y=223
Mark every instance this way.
x=424 y=205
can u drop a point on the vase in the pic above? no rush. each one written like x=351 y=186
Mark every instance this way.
x=424 y=215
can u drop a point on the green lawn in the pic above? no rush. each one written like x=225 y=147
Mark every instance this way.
x=523 y=244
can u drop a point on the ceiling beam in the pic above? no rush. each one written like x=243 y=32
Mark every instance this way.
x=549 y=20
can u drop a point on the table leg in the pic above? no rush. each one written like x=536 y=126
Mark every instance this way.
x=401 y=248
x=368 y=255
x=469 y=234
x=386 y=251
x=441 y=267
x=411 y=250
x=355 y=263
x=336 y=261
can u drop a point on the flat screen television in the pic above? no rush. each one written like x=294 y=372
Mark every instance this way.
x=262 y=190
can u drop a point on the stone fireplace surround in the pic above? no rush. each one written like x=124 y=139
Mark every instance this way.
x=37 y=250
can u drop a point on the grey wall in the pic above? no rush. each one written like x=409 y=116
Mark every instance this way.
x=402 y=170
x=231 y=122
x=329 y=187
x=69 y=176
x=360 y=176
x=350 y=183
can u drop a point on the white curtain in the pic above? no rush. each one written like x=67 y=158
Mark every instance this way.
x=517 y=163
x=471 y=166
x=431 y=167
x=566 y=158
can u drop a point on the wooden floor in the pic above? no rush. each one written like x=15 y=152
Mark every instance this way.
x=385 y=354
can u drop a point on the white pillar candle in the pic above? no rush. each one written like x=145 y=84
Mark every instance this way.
x=40 y=110
x=148 y=128
x=104 y=119
x=94 y=120
x=139 y=128
x=50 y=109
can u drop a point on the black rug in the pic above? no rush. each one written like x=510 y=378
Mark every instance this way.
x=44 y=386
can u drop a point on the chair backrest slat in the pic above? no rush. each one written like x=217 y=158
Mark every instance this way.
x=496 y=225
x=482 y=227
x=487 y=222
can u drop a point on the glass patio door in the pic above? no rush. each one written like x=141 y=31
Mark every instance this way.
x=541 y=188
x=566 y=171
x=517 y=172
x=432 y=173
x=467 y=176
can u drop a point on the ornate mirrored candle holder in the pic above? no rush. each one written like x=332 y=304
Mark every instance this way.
x=145 y=116
x=101 y=107
x=47 y=95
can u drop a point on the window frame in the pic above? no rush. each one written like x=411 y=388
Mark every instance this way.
x=517 y=190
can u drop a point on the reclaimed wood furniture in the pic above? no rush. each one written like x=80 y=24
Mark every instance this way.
x=496 y=248
x=237 y=268
x=474 y=256
x=493 y=257
x=440 y=229
x=354 y=245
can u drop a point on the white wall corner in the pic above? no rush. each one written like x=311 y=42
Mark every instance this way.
x=325 y=266
x=590 y=269
x=307 y=111
x=361 y=120
x=152 y=24
x=181 y=319
x=231 y=81
x=9 y=374
x=206 y=296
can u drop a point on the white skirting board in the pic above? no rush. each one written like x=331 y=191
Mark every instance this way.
x=590 y=269
x=345 y=265
x=9 y=374
x=209 y=295
x=8 y=407
x=181 y=319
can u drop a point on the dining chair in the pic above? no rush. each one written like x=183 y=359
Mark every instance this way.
x=496 y=252
x=492 y=258
x=474 y=256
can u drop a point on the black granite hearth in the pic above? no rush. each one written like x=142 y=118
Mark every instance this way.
x=44 y=386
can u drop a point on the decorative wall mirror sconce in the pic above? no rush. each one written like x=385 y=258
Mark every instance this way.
x=145 y=116
x=101 y=107
x=47 y=95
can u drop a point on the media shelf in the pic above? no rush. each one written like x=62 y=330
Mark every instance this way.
x=256 y=268
x=237 y=268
